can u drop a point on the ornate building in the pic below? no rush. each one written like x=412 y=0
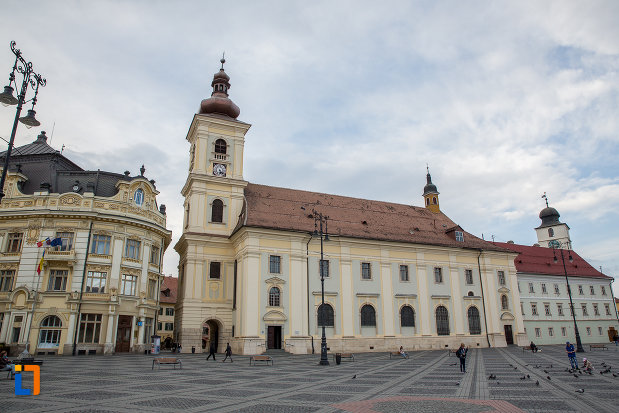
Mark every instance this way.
x=97 y=289
x=165 y=319
x=394 y=274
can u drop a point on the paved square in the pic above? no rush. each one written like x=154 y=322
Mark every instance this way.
x=429 y=381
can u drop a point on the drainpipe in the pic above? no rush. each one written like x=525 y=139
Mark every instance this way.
x=308 y=291
x=79 y=305
x=612 y=294
x=483 y=300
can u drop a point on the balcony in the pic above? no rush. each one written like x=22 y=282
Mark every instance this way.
x=61 y=256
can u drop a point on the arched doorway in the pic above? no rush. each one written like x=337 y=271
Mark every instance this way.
x=210 y=333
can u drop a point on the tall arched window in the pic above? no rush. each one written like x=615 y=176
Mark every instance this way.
x=442 y=321
x=407 y=316
x=551 y=232
x=274 y=297
x=220 y=146
x=368 y=316
x=504 y=302
x=217 y=211
x=474 y=324
x=49 y=335
x=325 y=315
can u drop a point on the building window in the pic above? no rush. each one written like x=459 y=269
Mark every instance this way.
x=66 y=241
x=560 y=309
x=501 y=275
x=596 y=310
x=468 y=275
x=591 y=290
x=160 y=312
x=100 y=244
x=57 y=280
x=138 y=197
x=325 y=315
x=169 y=311
x=533 y=309
x=217 y=211
x=474 y=323
x=90 y=328
x=220 y=146
x=551 y=331
x=547 y=309
x=407 y=316
x=274 y=264
x=154 y=255
x=169 y=326
x=563 y=331
x=324 y=266
x=274 y=297
x=531 y=289
x=366 y=271
x=551 y=232
x=438 y=275
x=6 y=280
x=522 y=308
x=459 y=236
x=588 y=331
x=603 y=289
x=49 y=335
x=580 y=290
x=442 y=321
x=215 y=270
x=159 y=326
x=504 y=302
x=95 y=282
x=129 y=284
x=152 y=288
x=132 y=249
x=544 y=291
x=607 y=308
x=557 y=291
x=368 y=316
x=404 y=273
x=14 y=242
x=600 y=330
x=538 y=332
x=584 y=310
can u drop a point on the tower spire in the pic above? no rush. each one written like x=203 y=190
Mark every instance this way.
x=430 y=193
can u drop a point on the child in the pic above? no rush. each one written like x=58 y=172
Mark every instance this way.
x=586 y=365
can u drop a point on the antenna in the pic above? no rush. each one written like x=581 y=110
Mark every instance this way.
x=52 y=137
x=62 y=149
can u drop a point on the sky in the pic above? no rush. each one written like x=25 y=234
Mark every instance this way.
x=503 y=100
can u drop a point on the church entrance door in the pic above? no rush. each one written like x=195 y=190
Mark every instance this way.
x=509 y=338
x=274 y=337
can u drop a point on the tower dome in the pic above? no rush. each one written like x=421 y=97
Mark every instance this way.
x=219 y=103
x=549 y=216
x=430 y=194
x=429 y=188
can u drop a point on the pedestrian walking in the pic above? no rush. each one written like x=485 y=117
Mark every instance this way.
x=228 y=353
x=461 y=354
x=571 y=354
x=211 y=350
x=616 y=339
x=179 y=348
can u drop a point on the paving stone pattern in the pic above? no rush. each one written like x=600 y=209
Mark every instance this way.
x=429 y=381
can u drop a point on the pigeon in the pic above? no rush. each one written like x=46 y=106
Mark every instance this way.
x=354 y=377
x=546 y=371
x=551 y=366
x=614 y=375
x=580 y=391
x=491 y=377
x=548 y=377
x=528 y=377
x=458 y=383
x=515 y=368
x=537 y=382
x=523 y=378
x=576 y=375
x=454 y=364
x=498 y=383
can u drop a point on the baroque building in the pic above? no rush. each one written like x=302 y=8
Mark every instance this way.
x=97 y=285
x=394 y=274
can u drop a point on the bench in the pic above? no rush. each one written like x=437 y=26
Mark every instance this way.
x=265 y=359
x=396 y=354
x=450 y=352
x=347 y=356
x=526 y=348
x=24 y=362
x=600 y=346
x=167 y=360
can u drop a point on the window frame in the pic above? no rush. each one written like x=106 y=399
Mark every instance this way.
x=275 y=264
x=169 y=312
x=214 y=270
x=442 y=320
x=407 y=320
x=91 y=277
x=14 y=242
x=459 y=236
x=274 y=297
x=468 y=277
x=131 y=281
x=438 y=275
x=54 y=276
x=217 y=211
x=93 y=321
x=100 y=241
x=7 y=279
x=367 y=317
x=132 y=245
x=323 y=265
x=404 y=274
x=474 y=320
x=328 y=318
x=534 y=309
x=501 y=277
x=366 y=271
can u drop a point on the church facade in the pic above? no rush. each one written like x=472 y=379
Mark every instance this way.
x=394 y=275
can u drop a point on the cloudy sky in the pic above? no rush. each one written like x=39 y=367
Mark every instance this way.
x=503 y=100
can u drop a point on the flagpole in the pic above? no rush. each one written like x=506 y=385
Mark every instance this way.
x=34 y=302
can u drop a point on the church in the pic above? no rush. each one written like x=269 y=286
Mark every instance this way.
x=394 y=275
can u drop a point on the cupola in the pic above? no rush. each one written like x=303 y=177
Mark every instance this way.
x=430 y=194
x=219 y=103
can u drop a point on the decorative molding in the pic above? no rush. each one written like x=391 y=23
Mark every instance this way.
x=34 y=231
x=130 y=271
x=275 y=316
x=440 y=296
x=406 y=296
x=70 y=200
x=327 y=293
x=275 y=280
x=368 y=295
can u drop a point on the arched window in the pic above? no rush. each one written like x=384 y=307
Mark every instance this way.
x=368 y=316
x=49 y=335
x=274 y=297
x=474 y=324
x=427 y=201
x=407 y=316
x=434 y=200
x=504 y=302
x=471 y=294
x=325 y=315
x=220 y=146
x=442 y=321
x=217 y=212
x=551 y=232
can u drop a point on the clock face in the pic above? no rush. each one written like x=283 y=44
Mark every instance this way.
x=219 y=169
x=554 y=244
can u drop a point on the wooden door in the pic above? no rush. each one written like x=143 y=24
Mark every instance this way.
x=509 y=338
x=274 y=337
x=123 y=334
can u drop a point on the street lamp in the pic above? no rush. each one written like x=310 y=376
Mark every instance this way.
x=557 y=245
x=32 y=79
x=319 y=218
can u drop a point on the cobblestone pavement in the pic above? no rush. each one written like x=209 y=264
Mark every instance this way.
x=429 y=381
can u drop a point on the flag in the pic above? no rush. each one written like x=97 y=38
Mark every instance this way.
x=55 y=242
x=40 y=267
x=46 y=241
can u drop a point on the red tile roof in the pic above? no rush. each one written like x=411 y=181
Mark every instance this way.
x=170 y=283
x=280 y=209
x=540 y=260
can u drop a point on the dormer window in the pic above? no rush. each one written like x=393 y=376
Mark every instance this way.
x=460 y=236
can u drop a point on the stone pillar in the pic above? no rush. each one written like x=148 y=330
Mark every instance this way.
x=109 y=347
x=386 y=297
x=425 y=311
x=347 y=311
x=459 y=309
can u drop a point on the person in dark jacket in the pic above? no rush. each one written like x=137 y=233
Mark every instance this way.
x=461 y=354
x=5 y=364
x=228 y=353
x=211 y=350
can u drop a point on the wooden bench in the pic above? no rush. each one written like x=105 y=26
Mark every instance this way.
x=265 y=359
x=600 y=346
x=347 y=356
x=167 y=360
x=526 y=348
x=396 y=354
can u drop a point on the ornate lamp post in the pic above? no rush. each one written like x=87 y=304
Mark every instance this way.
x=557 y=245
x=32 y=79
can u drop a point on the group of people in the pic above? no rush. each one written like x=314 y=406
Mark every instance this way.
x=571 y=354
x=213 y=349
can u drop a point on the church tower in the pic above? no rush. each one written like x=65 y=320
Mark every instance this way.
x=430 y=194
x=213 y=200
x=552 y=232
